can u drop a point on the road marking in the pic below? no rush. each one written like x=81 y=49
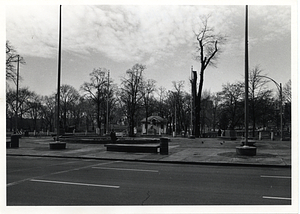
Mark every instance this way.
x=124 y=169
x=269 y=176
x=277 y=198
x=59 y=172
x=72 y=183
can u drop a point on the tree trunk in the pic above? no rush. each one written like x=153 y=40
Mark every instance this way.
x=198 y=104
x=146 y=125
x=131 y=128
x=197 y=118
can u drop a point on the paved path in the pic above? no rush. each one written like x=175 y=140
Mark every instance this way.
x=181 y=150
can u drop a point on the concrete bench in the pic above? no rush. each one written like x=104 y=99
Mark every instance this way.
x=145 y=148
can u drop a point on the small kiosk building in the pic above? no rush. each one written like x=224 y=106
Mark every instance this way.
x=156 y=125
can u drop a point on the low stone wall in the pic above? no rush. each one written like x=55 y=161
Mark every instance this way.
x=105 y=140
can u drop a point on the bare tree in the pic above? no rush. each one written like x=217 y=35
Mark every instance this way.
x=257 y=93
x=69 y=98
x=96 y=90
x=287 y=92
x=21 y=107
x=147 y=93
x=12 y=58
x=231 y=99
x=207 y=41
x=162 y=97
x=48 y=111
x=131 y=93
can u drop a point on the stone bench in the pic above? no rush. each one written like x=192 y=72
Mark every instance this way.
x=143 y=148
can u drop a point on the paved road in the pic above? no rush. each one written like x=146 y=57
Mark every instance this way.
x=65 y=181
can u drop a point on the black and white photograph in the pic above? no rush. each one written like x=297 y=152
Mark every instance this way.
x=150 y=107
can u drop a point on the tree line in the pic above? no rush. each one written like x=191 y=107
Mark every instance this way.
x=99 y=100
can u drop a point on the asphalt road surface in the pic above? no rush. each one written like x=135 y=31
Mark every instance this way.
x=65 y=181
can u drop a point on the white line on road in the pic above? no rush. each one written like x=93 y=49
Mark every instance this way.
x=124 y=169
x=269 y=176
x=72 y=183
x=277 y=198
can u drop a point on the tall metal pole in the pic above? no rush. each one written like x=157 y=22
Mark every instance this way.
x=58 y=81
x=17 y=93
x=246 y=78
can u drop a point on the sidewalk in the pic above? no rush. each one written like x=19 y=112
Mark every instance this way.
x=181 y=150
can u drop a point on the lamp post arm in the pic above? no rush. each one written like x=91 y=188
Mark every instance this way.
x=279 y=87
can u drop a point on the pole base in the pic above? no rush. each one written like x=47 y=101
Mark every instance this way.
x=250 y=142
x=246 y=150
x=57 y=145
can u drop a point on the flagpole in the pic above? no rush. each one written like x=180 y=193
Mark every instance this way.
x=58 y=79
x=246 y=79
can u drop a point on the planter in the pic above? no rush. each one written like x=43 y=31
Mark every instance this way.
x=57 y=146
x=246 y=150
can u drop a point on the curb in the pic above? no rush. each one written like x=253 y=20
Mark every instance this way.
x=157 y=161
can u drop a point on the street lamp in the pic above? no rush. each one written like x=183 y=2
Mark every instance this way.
x=279 y=87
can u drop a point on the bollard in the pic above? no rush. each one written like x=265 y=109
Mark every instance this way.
x=259 y=136
x=164 y=146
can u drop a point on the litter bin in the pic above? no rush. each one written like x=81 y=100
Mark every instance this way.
x=164 y=146
x=14 y=143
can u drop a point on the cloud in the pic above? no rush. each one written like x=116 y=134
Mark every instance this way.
x=130 y=33
x=33 y=30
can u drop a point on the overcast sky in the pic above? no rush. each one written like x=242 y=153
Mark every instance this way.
x=160 y=37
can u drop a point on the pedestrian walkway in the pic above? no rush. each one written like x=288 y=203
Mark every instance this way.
x=181 y=150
